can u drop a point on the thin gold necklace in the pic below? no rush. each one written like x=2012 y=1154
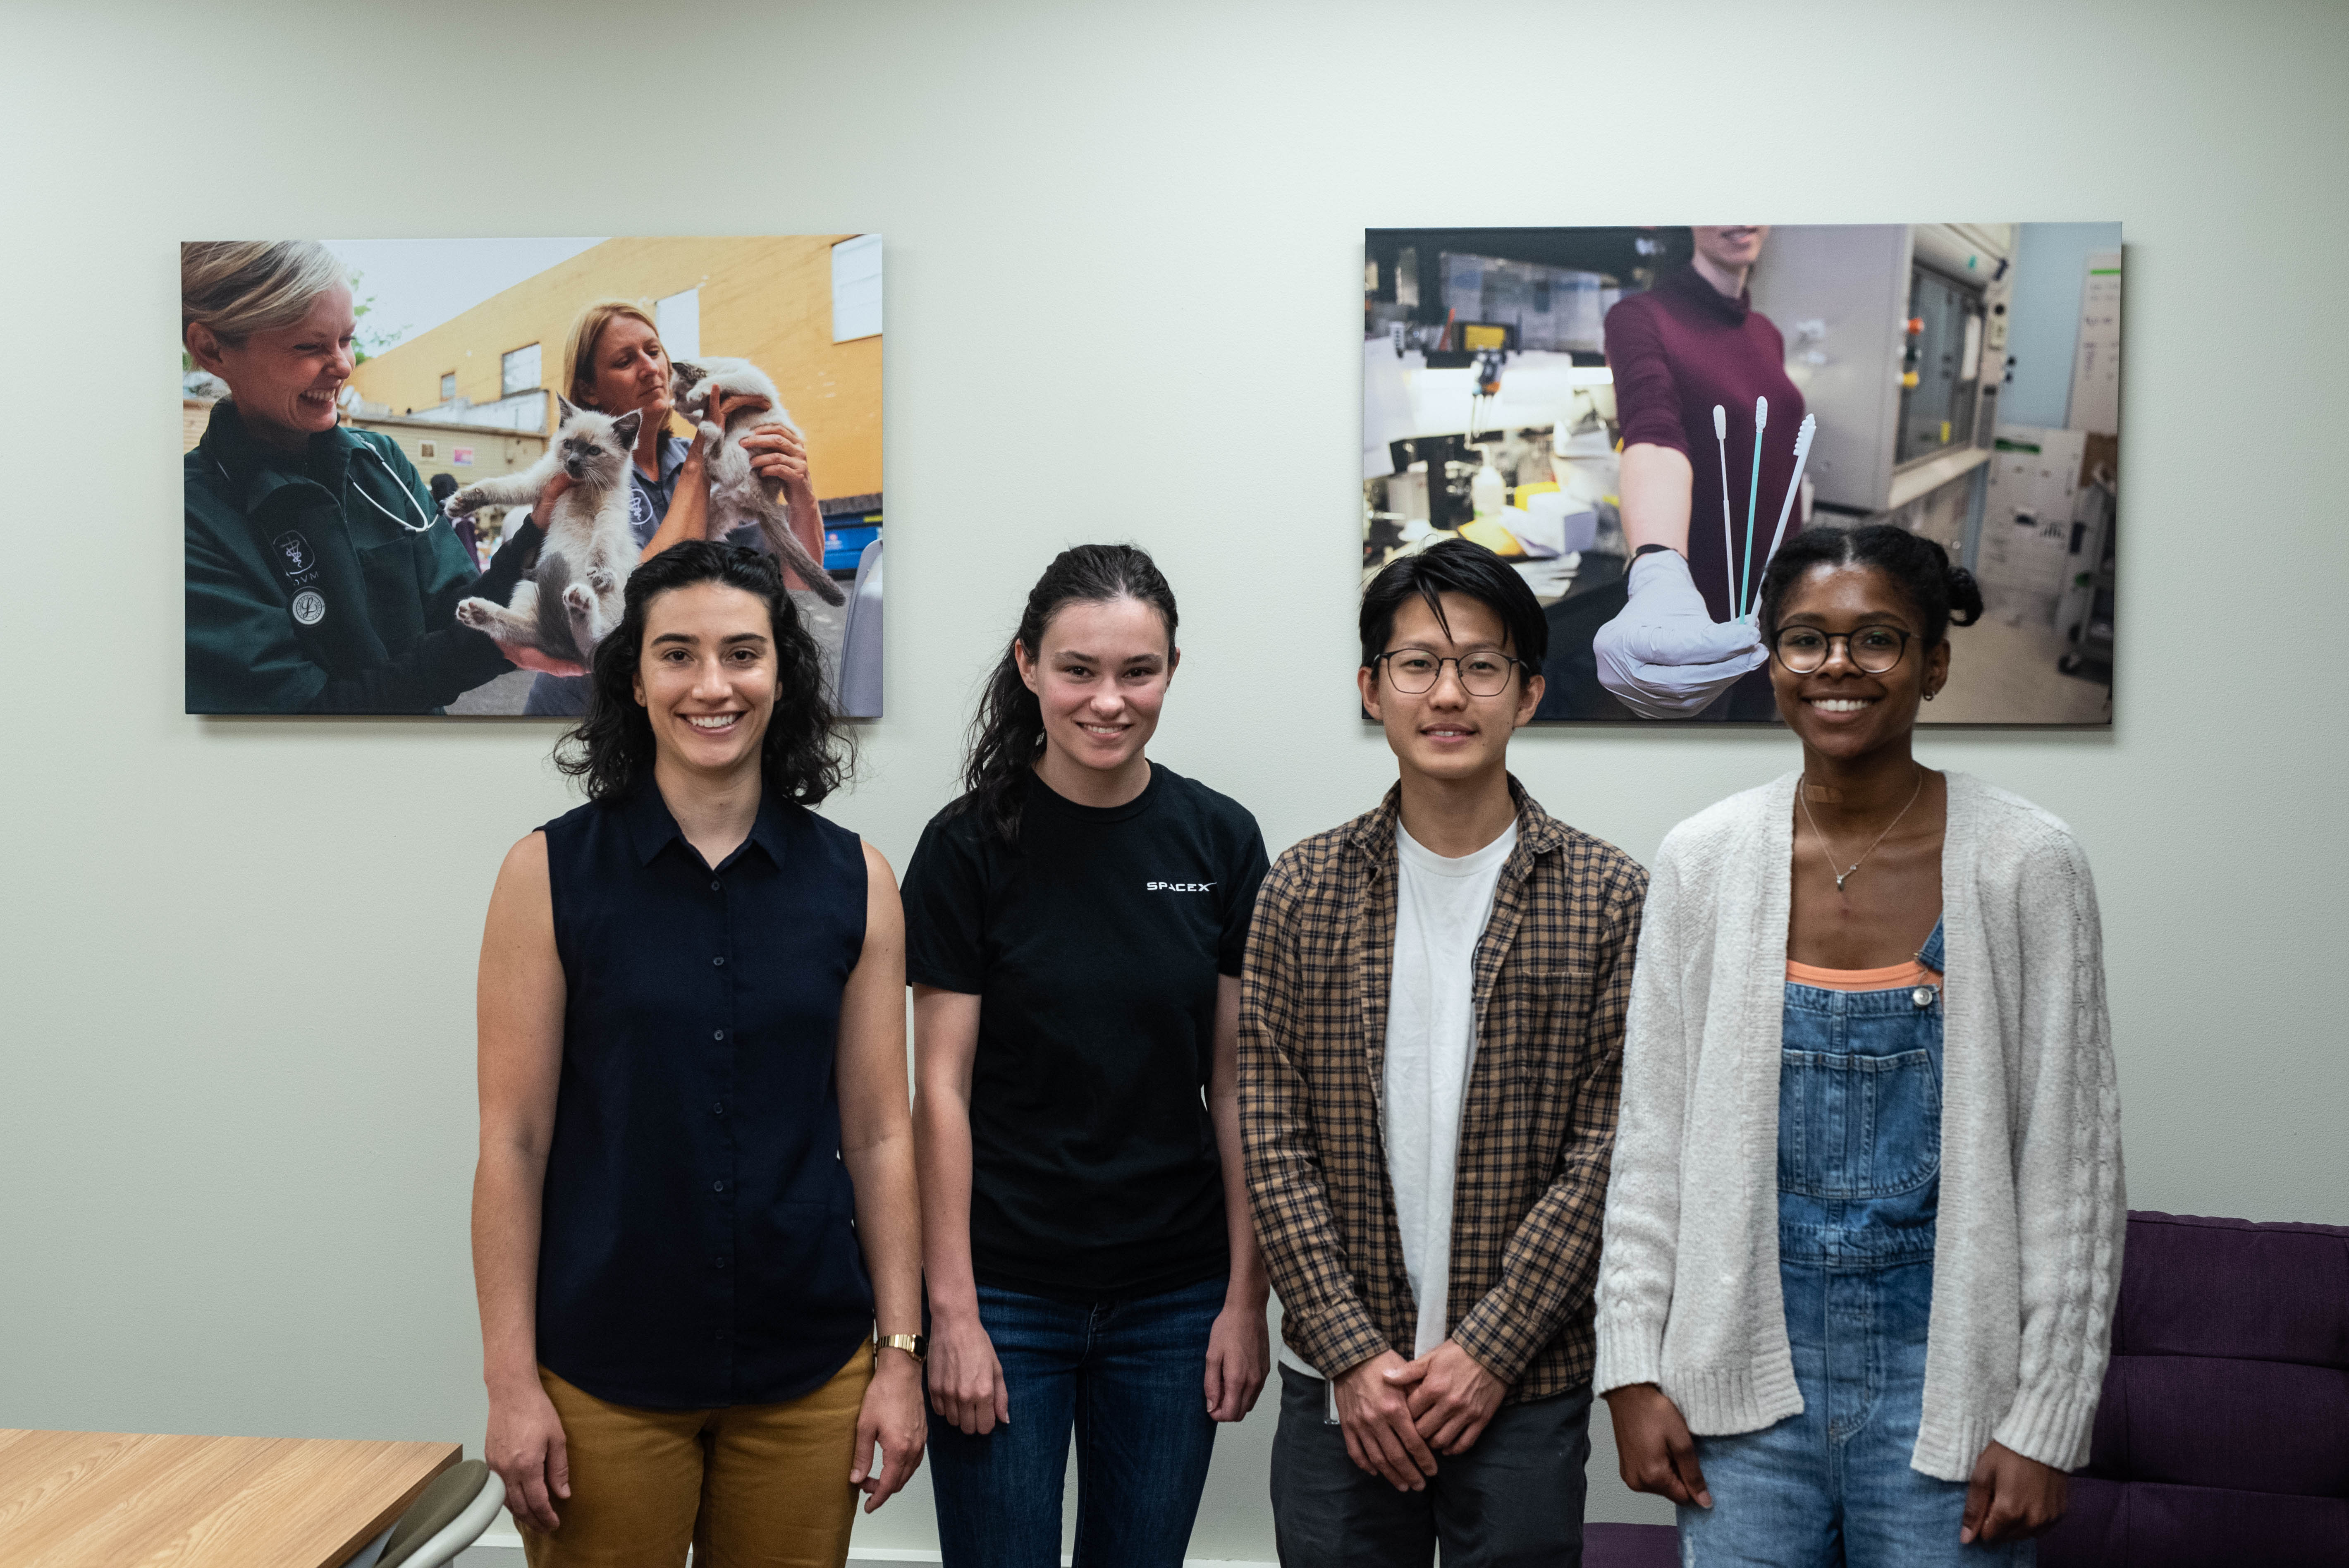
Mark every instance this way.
x=1803 y=795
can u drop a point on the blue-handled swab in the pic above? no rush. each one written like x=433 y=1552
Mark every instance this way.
x=1809 y=428
x=1753 y=494
x=1728 y=549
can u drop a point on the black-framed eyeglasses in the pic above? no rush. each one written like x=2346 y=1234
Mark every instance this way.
x=1412 y=671
x=1872 y=649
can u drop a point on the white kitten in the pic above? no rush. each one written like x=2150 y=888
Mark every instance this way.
x=575 y=595
x=737 y=493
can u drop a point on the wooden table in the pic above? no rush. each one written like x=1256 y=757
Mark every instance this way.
x=116 y=1500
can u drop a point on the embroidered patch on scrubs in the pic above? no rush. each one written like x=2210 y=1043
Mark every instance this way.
x=309 y=608
x=294 y=551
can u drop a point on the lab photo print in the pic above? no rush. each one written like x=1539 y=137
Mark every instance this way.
x=419 y=474
x=1639 y=419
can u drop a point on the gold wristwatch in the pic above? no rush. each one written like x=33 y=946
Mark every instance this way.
x=914 y=1345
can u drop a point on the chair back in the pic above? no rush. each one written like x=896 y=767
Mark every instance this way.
x=449 y=1516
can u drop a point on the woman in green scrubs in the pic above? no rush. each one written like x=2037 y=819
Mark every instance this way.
x=321 y=579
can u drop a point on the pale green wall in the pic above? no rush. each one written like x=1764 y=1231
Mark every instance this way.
x=235 y=1083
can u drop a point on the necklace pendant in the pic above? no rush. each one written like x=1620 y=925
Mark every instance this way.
x=1839 y=879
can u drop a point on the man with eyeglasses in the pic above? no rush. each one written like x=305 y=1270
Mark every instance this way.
x=1431 y=1055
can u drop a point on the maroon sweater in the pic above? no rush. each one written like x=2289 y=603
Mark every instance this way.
x=1676 y=351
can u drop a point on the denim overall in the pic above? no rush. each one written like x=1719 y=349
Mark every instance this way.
x=1859 y=1180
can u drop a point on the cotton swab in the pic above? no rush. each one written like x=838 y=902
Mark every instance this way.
x=1752 y=494
x=1803 y=435
x=1721 y=437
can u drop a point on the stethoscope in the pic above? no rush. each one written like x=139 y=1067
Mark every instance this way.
x=424 y=524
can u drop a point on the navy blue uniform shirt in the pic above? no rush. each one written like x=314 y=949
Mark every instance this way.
x=698 y=1245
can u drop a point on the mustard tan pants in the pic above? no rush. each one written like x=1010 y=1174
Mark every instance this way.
x=749 y=1486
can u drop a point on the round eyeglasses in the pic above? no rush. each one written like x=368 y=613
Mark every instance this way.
x=1872 y=649
x=1413 y=671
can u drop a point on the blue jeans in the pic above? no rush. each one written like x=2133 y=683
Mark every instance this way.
x=1859 y=1177
x=1131 y=1378
x=1832 y=1486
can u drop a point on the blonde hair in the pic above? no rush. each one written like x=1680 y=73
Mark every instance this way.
x=579 y=354
x=237 y=287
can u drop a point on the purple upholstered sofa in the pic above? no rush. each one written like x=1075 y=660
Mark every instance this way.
x=2223 y=1434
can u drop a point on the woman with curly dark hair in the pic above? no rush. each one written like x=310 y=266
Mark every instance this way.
x=696 y=1238
x=1075 y=923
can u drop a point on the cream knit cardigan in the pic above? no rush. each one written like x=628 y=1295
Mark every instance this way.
x=2028 y=1248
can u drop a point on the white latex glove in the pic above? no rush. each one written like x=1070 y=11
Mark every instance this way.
x=1664 y=655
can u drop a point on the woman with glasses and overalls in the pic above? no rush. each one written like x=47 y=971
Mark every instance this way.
x=1864 y=1227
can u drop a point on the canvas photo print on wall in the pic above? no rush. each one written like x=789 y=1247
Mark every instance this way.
x=1567 y=396
x=419 y=472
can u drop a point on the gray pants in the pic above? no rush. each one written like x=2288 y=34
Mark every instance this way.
x=1514 y=1500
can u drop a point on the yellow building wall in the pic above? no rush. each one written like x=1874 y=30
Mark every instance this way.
x=495 y=452
x=765 y=299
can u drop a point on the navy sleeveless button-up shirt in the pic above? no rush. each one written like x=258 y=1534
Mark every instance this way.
x=698 y=1246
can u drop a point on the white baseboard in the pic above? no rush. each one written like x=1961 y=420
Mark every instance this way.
x=500 y=1547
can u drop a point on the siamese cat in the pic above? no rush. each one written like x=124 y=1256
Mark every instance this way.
x=737 y=493
x=574 y=595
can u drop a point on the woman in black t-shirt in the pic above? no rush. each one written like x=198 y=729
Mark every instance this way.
x=1075 y=923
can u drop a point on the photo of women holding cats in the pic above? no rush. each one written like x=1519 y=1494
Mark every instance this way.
x=1864 y=1226
x=614 y=364
x=696 y=1237
x=321 y=576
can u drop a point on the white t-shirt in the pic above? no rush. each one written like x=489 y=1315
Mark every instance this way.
x=1441 y=909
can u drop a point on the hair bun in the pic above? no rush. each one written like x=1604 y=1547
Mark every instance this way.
x=1965 y=598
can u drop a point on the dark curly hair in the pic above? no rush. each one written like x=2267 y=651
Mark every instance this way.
x=1009 y=729
x=806 y=754
x=1942 y=594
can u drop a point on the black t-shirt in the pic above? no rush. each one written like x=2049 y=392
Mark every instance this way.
x=1093 y=944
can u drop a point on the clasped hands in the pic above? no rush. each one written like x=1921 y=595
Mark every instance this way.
x=1399 y=1415
x=2009 y=1497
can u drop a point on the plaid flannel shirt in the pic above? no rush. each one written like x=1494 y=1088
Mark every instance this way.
x=1553 y=980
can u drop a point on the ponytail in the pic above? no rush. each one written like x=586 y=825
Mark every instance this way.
x=1007 y=731
x=1944 y=595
